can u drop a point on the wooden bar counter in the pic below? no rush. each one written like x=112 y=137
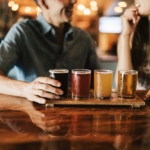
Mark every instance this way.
x=23 y=127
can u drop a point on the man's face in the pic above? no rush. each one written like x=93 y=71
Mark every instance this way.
x=60 y=10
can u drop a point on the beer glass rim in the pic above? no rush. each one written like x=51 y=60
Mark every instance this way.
x=103 y=71
x=128 y=71
x=81 y=71
x=58 y=70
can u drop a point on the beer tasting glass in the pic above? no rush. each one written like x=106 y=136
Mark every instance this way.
x=103 y=83
x=127 y=82
x=81 y=80
x=62 y=76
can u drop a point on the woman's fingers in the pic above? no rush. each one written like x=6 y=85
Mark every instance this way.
x=129 y=19
x=131 y=15
x=147 y=96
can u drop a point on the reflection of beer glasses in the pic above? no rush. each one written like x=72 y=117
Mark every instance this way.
x=124 y=130
x=124 y=125
x=101 y=125
x=64 y=127
x=80 y=125
x=122 y=142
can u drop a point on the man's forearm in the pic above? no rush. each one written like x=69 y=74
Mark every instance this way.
x=11 y=87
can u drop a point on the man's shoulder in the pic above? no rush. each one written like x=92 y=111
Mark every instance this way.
x=22 y=29
x=26 y=24
x=80 y=32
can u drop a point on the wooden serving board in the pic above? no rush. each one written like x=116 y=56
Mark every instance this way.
x=114 y=101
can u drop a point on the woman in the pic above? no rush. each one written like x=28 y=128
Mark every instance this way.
x=134 y=42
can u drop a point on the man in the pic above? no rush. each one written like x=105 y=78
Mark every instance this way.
x=35 y=46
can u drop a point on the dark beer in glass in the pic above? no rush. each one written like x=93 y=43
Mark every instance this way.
x=62 y=76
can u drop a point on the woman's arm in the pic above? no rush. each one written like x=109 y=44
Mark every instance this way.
x=129 y=22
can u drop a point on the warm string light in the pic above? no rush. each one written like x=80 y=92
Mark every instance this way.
x=88 y=11
x=27 y=9
x=11 y=3
x=15 y=7
x=122 y=4
x=119 y=8
x=80 y=7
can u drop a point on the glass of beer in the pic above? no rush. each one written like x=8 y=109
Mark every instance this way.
x=61 y=75
x=81 y=80
x=103 y=83
x=127 y=82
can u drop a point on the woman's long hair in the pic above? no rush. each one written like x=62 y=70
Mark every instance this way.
x=140 y=43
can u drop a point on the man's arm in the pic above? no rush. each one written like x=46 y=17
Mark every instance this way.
x=38 y=90
x=10 y=52
x=10 y=86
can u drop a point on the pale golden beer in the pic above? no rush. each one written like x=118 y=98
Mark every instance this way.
x=127 y=82
x=103 y=83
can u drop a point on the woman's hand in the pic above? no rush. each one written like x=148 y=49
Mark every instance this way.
x=130 y=18
x=42 y=88
x=147 y=95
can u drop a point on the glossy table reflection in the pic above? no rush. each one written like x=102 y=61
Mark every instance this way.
x=23 y=126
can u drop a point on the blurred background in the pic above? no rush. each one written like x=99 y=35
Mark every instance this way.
x=101 y=18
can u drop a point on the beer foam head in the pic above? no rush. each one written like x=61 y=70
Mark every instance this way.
x=57 y=71
x=102 y=71
x=128 y=72
x=81 y=71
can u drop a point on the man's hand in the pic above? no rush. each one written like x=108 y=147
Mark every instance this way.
x=41 y=88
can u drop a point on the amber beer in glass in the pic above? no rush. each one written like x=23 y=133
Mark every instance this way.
x=61 y=75
x=127 y=82
x=81 y=80
x=103 y=83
